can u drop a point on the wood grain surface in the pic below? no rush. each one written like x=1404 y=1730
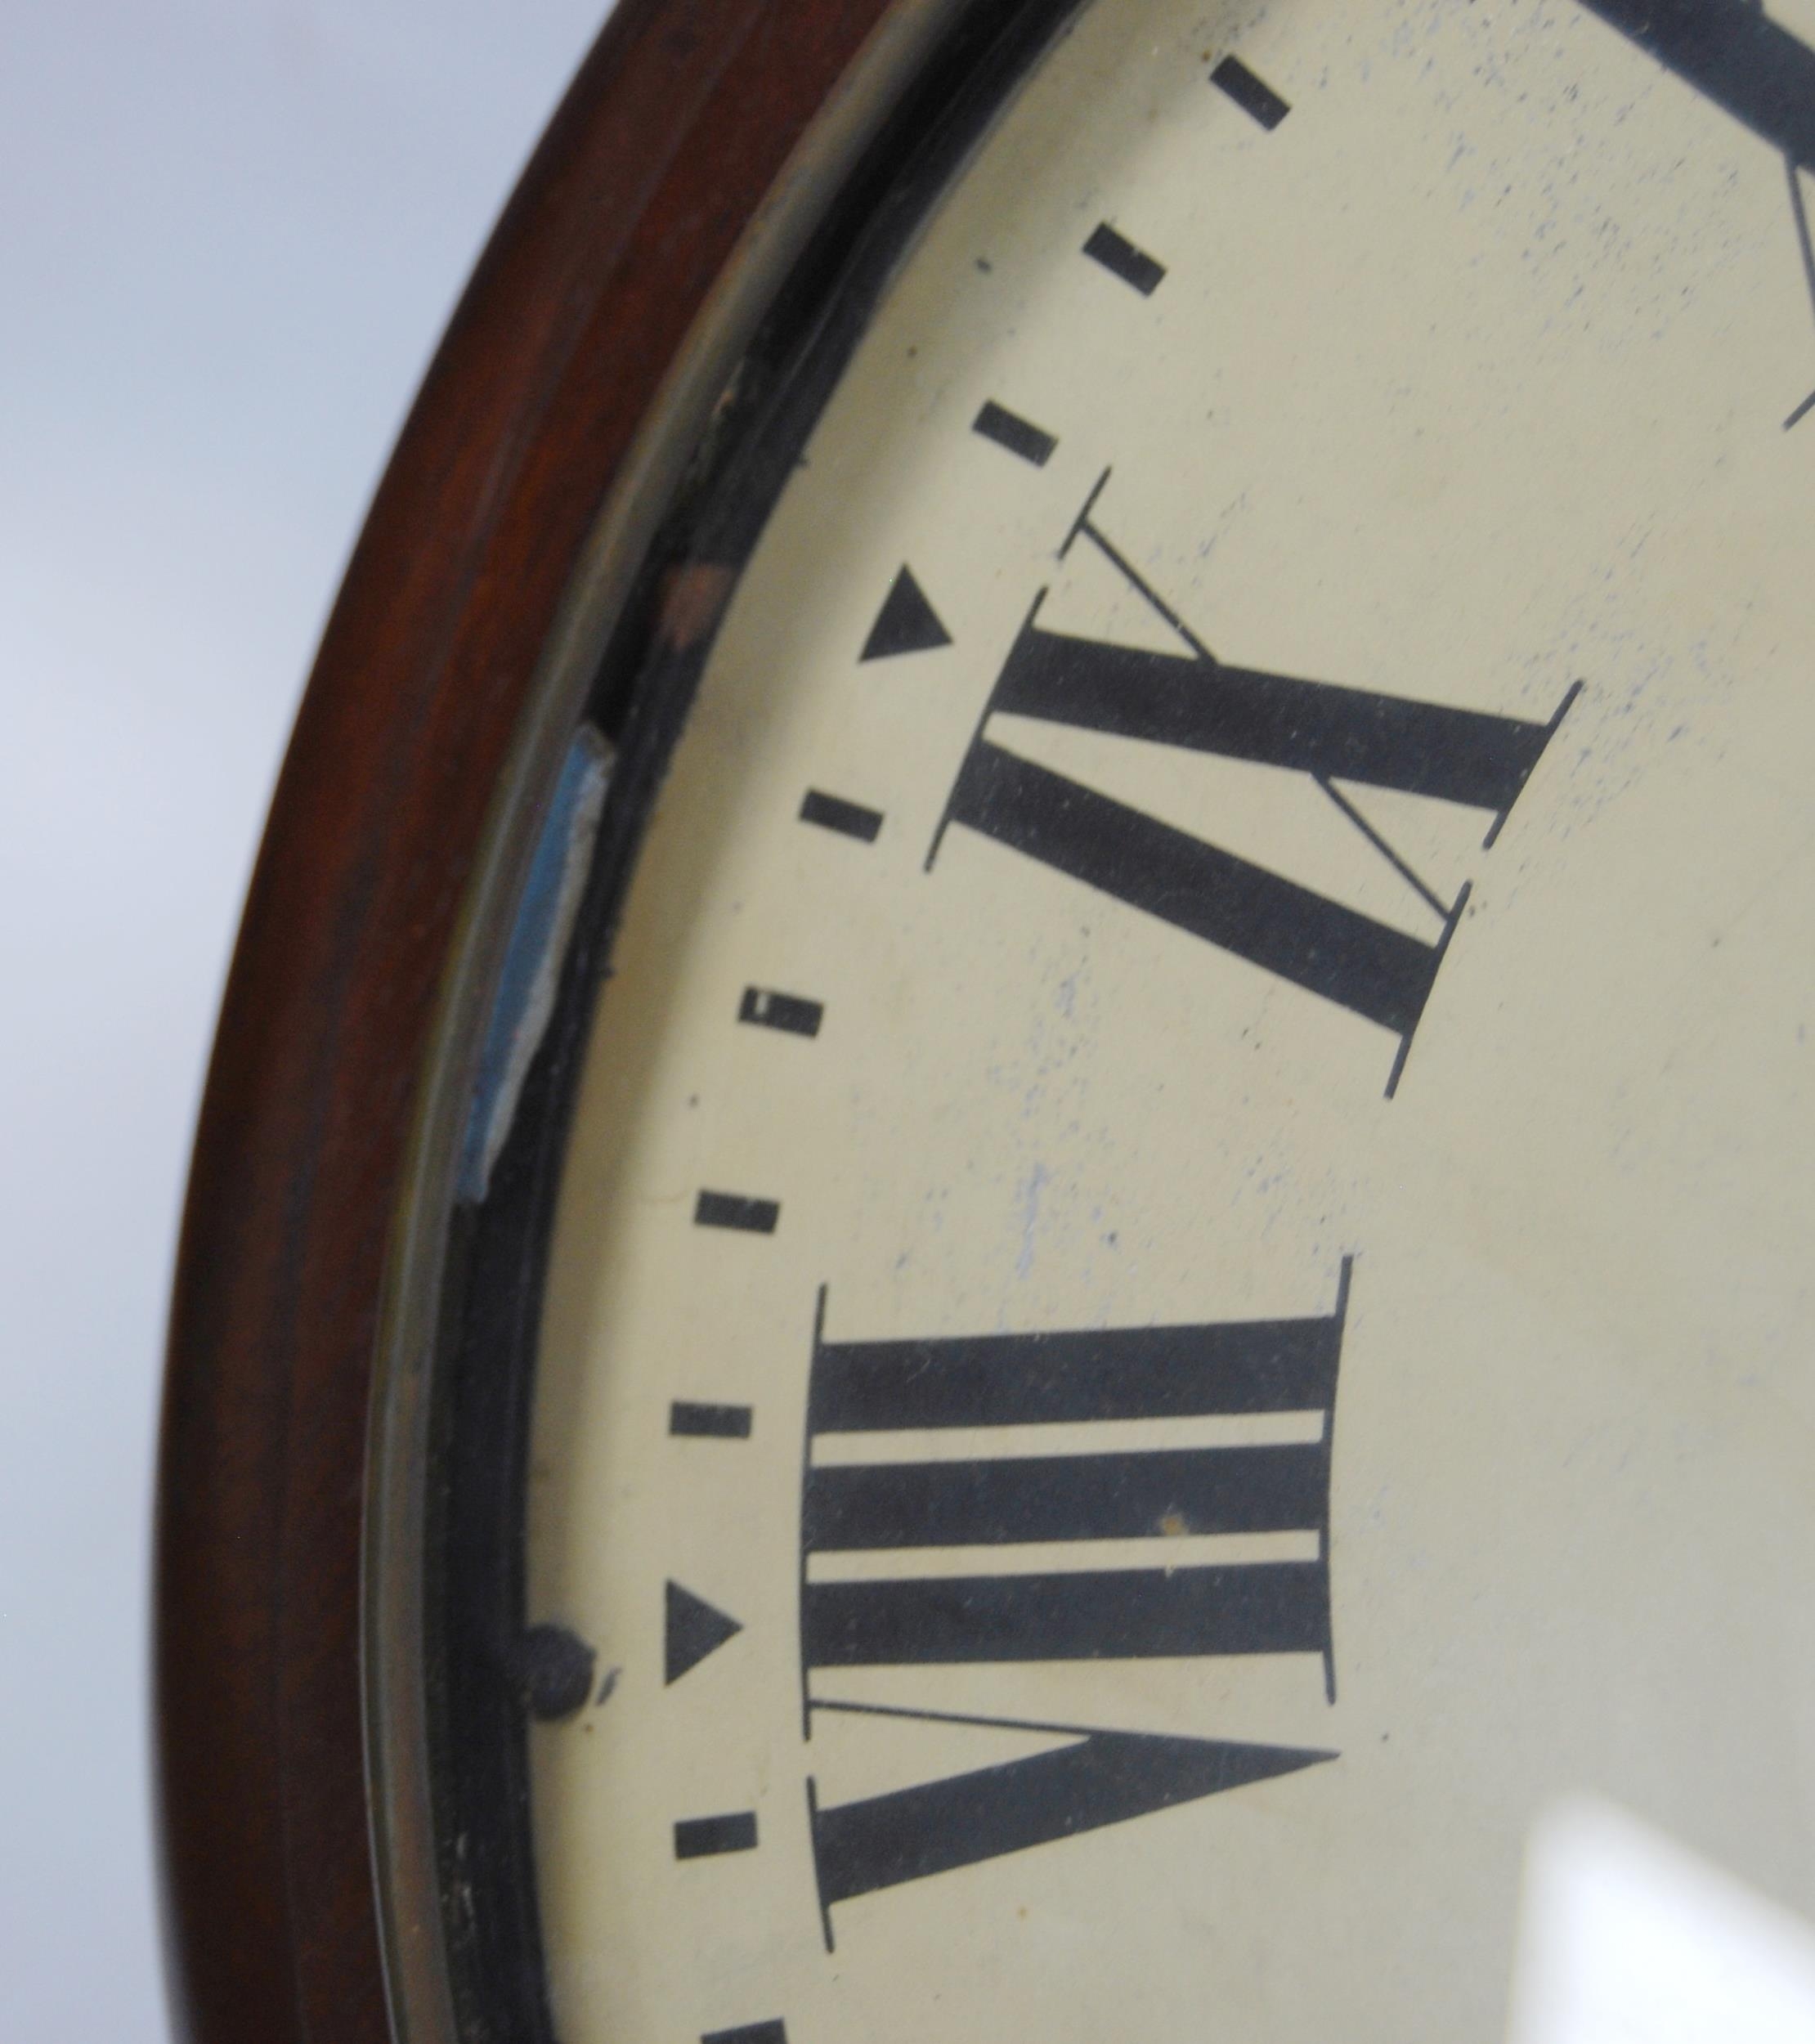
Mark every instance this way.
x=671 y=134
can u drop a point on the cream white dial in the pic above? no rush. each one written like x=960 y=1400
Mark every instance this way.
x=1182 y=1288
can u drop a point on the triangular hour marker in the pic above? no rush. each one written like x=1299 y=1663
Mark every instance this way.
x=694 y=1629
x=906 y=623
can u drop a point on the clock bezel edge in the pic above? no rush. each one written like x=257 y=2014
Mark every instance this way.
x=661 y=154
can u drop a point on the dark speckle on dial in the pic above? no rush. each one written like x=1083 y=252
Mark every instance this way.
x=554 y=1672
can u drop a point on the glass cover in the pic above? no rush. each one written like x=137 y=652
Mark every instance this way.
x=1180 y=1307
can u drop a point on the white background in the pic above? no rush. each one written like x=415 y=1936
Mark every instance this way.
x=231 y=231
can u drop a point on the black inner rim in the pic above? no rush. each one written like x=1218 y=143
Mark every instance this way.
x=479 y=1664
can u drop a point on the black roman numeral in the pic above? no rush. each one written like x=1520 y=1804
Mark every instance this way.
x=1733 y=54
x=1154 y=1495
x=1738 y=59
x=1101 y=1778
x=1194 y=701
x=1156 y=1610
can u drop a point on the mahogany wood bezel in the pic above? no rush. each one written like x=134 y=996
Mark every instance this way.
x=659 y=158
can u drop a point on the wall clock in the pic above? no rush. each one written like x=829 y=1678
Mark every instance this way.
x=1005 y=1205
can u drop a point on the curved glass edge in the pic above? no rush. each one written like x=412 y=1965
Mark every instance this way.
x=458 y=1912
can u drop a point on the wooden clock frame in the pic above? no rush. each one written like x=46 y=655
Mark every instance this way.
x=692 y=203
x=697 y=169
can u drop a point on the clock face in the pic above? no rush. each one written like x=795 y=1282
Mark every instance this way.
x=1179 y=1289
